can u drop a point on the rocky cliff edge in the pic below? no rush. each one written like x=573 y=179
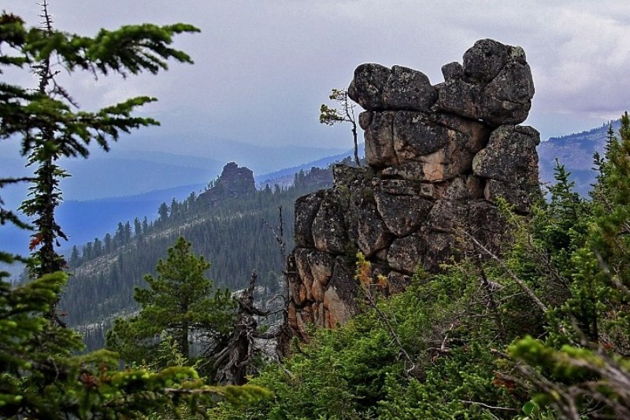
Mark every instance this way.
x=438 y=158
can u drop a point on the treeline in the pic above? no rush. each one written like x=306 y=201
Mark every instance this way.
x=127 y=231
x=540 y=332
x=237 y=236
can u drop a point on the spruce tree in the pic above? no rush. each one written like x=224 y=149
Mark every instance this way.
x=137 y=227
x=42 y=374
x=583 y=367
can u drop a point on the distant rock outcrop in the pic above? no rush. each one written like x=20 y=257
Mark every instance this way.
x=438 y=158
x=233 y=182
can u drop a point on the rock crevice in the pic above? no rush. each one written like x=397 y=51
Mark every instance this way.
x=439 y=157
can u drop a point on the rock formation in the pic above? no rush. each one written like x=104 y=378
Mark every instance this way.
x=233 y=182
x=438 y=158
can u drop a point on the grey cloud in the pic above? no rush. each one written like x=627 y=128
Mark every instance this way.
x=263 y=67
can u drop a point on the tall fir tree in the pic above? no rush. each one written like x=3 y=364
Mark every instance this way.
x=42 y=375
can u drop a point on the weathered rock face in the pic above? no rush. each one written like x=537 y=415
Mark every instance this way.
x=494 y=84
x=438 y=158
x=233 y=182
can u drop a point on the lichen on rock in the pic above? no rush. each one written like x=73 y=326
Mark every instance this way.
x=439 y=157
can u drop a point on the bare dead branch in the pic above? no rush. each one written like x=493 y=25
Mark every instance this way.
x=507 y=269
x=490 y=407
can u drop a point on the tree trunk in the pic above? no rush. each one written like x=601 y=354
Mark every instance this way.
x=356 y=144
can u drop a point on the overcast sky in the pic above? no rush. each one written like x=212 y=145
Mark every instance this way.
x=263 y=67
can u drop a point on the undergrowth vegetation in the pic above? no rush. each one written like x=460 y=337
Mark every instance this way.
x=538 y=333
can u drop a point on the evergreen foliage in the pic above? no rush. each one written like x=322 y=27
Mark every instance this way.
x=41 y=375
x=179 y=304
x=43 y=378
x=459 y=345
x=234 y=234
x=583 y=366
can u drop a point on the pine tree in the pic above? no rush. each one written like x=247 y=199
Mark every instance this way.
x=74 y=256
x=98 y=247
x=163 y=213
x=181 y=302
x=87 y=251
x=174 y=208
x=127 y=233
x=343 y=113
x=137 y=227
x=119 y=236
x=145 y=226
x=108 y=243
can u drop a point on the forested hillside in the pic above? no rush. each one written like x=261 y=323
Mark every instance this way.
x=235 y=232
x=575 y=151
x=438 y=278
x=513 y=305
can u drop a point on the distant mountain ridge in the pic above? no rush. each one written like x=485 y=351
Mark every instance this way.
x=284 y=177
x=119 y=174
x=86 y=219
x=575 y=151
x=82 y=221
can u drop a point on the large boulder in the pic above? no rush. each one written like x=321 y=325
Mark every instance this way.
x=510 y=155
x=484 y=60
x=306 y=208
x=438 y=160
x=419 y=146
x=402 y=214
x=510 y=163
x=368 y=85
x=494 y=85
x=406 y=254
x=408 y=89
x=379 y=139
x=376 y=87
x=415 y=135
x=372 y=233
x=328 y=227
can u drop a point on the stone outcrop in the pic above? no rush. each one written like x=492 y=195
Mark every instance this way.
x=439 y=157
x=234 y=182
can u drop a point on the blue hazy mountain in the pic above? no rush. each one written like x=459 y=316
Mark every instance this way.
x=575 y=152
x=284 y=177
x=83 y=221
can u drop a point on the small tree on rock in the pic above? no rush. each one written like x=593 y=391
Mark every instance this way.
x=343 y=112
